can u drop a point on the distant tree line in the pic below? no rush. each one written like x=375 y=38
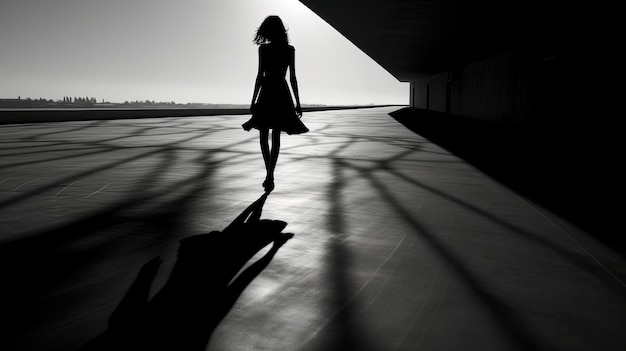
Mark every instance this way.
x=149 y=102
x=79 y=100
x=91 y=102
x=66 y=101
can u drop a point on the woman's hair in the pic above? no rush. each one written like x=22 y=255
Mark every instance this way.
x=271 y=30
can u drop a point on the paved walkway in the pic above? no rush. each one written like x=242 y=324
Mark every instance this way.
x=398 y=244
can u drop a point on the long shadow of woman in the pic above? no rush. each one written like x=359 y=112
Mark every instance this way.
x=203 y=286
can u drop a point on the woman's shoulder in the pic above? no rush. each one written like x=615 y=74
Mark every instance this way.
x=268 y=46
x=272 y=49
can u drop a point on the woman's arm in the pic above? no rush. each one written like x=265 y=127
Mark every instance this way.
x=257 y=83
x=294 y=82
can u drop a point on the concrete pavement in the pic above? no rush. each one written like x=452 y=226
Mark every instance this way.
x=398 y=244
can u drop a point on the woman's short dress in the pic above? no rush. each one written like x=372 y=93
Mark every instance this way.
x=274 y=108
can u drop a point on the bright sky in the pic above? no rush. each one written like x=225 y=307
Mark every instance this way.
x=183 y=51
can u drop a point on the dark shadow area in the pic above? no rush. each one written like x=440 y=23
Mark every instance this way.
x=570 y=170
x=202 y=287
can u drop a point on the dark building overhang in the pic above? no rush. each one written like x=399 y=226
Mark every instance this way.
x=416 y=38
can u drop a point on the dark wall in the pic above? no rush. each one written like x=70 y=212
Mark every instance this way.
x=430 y=93
x=509 y=88
x=569 y=91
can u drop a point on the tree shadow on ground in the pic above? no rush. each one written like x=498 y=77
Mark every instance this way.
x=203 y=286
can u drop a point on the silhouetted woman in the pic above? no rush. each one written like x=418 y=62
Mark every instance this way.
x=272 y=106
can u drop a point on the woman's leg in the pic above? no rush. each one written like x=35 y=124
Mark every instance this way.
x=270 y=164
x=265 y=148
x=275 y=150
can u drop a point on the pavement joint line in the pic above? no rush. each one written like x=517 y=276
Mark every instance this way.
x=99 y=190
x=65 y=188
x=567 y=234
x=26 y=183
